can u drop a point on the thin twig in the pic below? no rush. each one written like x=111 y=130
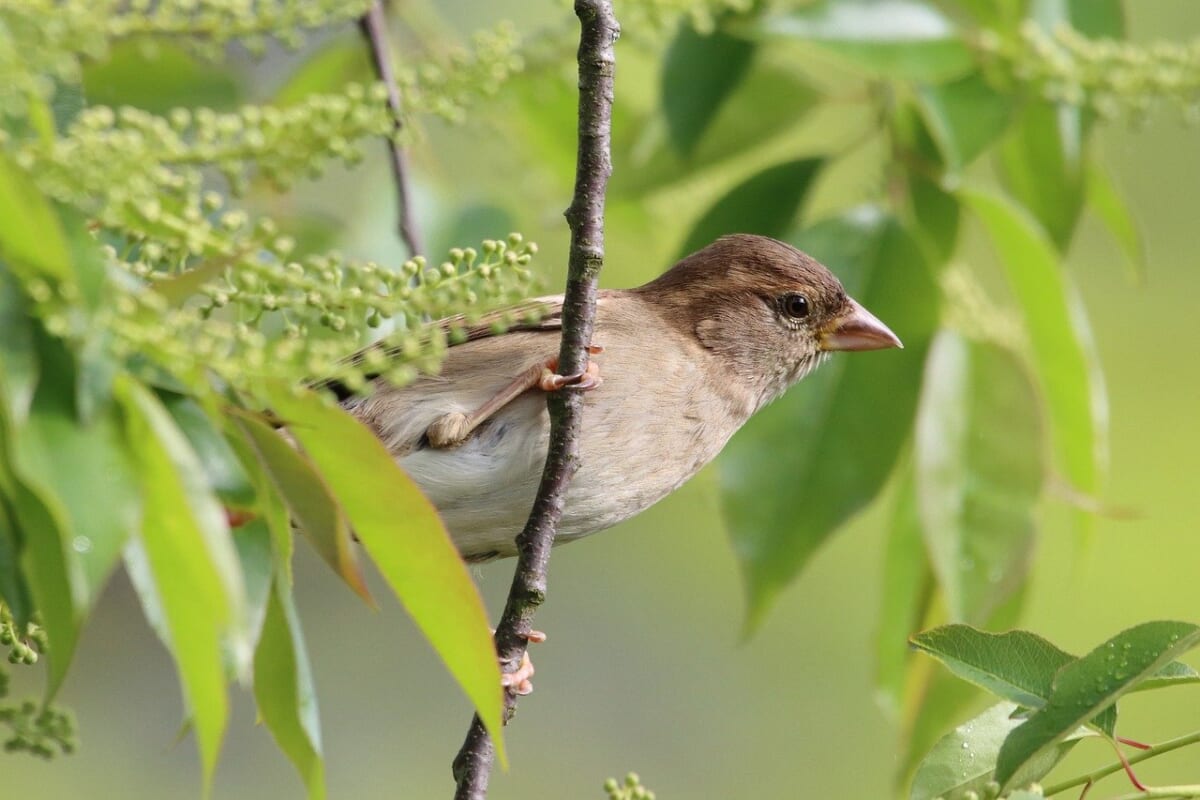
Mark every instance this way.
x=374 y=28
x=585 y=216
x=1156 y=750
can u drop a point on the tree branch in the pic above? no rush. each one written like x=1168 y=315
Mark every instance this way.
x=374 y=28
x=1137 y=758
x=585 y=216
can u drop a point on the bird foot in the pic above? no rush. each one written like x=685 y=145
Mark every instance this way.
x=551 y=381
x=518 y=681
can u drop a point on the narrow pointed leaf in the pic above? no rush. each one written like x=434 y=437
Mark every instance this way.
x=769 y=101
x=32 y=239
x=284 y=690
x=978 y=448
x=192 y=563
x=1090 y=684
x=828 y=446
x=308 y=497
x=766 y=203
x=128 y=76
x=965 y=117
x=86 y=466
x=18 y=358
x=407 y=542
x=47 y=572
x=1041 y=164
x=1105 y=199
x=221 y=466
x=1064 y=353
x=700 y=71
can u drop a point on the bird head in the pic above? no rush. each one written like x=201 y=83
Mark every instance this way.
x=768 y=311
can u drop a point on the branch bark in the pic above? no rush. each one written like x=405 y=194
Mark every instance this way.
x=374 y=28
x=585 y=216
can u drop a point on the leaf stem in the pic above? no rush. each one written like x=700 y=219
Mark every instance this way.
x=1156 y=750
x=585 y=216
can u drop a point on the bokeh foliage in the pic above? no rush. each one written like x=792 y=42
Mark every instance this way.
x=152 y=312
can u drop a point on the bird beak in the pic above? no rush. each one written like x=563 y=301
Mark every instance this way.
x=857 y=329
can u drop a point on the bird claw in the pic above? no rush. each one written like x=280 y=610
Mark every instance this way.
x=518 y=681
x=551 y=381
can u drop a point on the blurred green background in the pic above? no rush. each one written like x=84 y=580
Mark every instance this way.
x=644 y=669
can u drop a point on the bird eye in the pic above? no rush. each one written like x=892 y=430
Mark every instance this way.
x=795 y=305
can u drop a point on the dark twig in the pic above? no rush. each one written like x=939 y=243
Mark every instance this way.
x=374 y=28
x=598 y=32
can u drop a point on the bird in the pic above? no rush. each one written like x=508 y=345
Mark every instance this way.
x=677 y=366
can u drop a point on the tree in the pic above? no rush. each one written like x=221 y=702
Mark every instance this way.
x=161 y=294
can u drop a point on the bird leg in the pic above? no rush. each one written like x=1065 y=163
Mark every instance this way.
x=518 y=681
x=451 y=430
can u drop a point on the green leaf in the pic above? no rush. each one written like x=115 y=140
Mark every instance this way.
x=168 y=78
x=1017 y=666
x=14 y=591
x=18 y=358
x=181 y=287
x=270 y=505
x=43 y=521
x=1105 y=199
x=965 y=117
x=908 y=589
x=978 y=472
x=47 y=572
x=1064 y=353
x=222 y=468
x=699 y=72
x=964 y=760
x=192 y=561
x=769 y=101
x=1041 y=163
x=284 y=691
x=935 y=212
x=343 y=60
x=765 y=203
x=1174 y=674
x=32 y=239
x=844 y=426
x=89 y=470
x=1101 y=19
x=309 y=498
x=1090 y=684
x=407 y=542
x=1000 y=14
x=253 y=545
x=904 y=39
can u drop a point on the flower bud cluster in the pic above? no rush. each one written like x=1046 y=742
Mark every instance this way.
x=144 y=174
x=447 y=86
x=43 y=731
x=1113 y=78
x=629 y=789
x=43 y=43
x=263 y=317
x=24 y=644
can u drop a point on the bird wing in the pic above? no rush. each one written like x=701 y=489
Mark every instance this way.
x=538 y=314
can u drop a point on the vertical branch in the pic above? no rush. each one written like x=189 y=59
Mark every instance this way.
x=374 y=28
x=585 y=216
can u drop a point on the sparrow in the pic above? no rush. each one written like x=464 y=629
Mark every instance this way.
x=678 y=366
